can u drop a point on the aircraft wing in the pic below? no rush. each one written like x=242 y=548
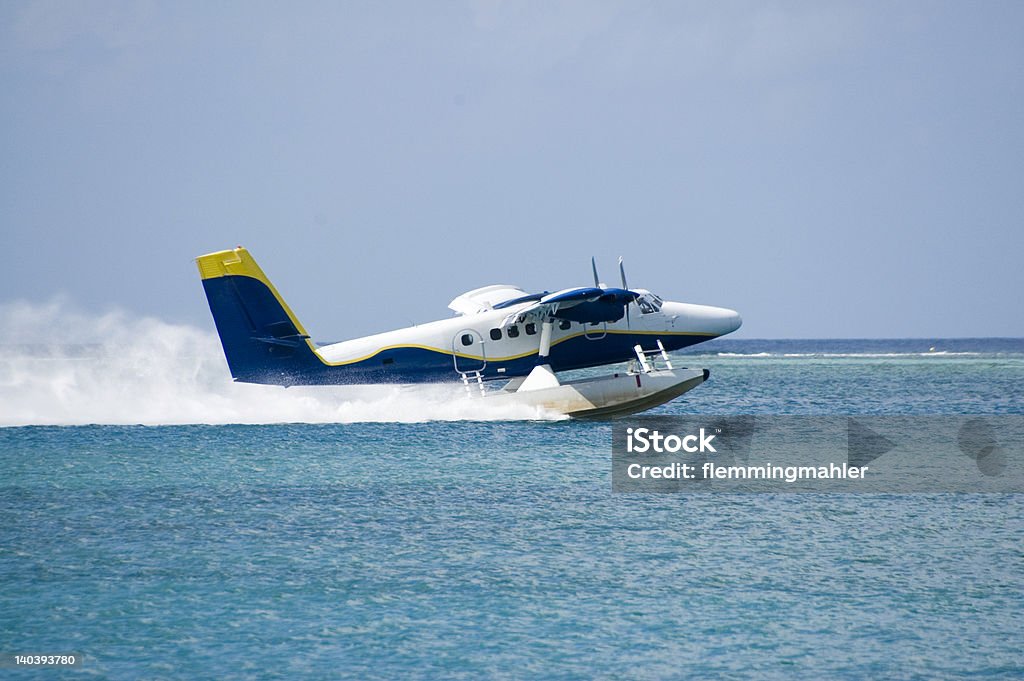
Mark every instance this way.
x=486 y=298
x=582 y=304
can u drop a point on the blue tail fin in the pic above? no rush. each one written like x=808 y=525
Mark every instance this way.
x=263 y=341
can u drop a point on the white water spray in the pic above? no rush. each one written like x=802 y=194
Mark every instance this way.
x=59 y=366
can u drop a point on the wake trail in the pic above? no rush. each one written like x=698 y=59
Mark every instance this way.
x=116 y=368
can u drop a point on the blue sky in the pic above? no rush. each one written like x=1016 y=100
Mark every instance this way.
x=827 y=169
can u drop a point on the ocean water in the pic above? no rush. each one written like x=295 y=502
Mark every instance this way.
x=247 y=532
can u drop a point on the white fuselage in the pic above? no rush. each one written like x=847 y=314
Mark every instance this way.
x=491 y=340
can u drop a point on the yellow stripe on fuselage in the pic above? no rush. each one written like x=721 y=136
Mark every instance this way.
x=509 y=357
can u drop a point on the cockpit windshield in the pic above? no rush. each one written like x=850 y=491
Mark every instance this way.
x=649 y=303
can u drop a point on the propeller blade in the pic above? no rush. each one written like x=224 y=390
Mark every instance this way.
x=622 y=276
x=593 y=265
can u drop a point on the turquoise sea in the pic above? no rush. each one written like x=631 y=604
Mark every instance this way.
x=398 y=536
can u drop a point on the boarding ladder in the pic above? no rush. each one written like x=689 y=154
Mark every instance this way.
x=646 y=359
x=469 y=376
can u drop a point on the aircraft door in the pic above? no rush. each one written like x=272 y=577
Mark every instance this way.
x=469 y=351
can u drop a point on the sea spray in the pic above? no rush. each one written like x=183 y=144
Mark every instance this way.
x=60 y=366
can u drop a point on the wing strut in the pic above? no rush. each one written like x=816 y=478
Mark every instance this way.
x=542 y=376
x=545 y=340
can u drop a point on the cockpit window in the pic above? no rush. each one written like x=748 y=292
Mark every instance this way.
x=649 y=303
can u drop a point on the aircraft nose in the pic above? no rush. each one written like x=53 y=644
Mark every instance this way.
x=722 y=320
x=731 y=320
x=714 y=321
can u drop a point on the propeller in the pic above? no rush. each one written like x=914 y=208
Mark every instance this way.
x=619 y=294
x=622 y=276
x=581 y=304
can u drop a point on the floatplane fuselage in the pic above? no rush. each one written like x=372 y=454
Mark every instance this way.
x=498 y=332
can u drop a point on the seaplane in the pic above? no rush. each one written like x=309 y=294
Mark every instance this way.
x=502 y=343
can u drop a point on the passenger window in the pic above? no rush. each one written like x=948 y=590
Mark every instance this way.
x=467 y=339
x=495 y=334
x=564 y=325
x=513 y=331
x=531 y=328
